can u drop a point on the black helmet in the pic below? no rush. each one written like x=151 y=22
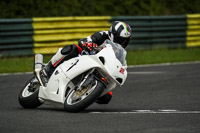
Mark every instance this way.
x=120 y=33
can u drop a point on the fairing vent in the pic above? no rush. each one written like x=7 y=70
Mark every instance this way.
x=119 y=80
x=102 y=60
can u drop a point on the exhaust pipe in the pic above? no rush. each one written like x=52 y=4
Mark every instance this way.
x=38 y=67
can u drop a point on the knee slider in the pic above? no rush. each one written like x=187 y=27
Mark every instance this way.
x=67 y=50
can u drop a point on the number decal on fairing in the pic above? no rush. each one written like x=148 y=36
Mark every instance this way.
x=121 y=71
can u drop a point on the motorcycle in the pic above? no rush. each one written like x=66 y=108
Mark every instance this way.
x=77 y=83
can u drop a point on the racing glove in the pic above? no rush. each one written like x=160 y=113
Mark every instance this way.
x=88 y=46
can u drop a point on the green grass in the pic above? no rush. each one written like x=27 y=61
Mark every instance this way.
x=19 y=64
x=25 y=64
x=163 y=56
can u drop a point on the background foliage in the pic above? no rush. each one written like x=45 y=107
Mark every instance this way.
x=50 y=8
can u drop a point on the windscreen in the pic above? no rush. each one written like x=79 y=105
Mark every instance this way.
x=120 y=53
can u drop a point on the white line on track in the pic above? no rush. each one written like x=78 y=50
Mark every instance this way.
x=164 y=64
x=146 y=72
x=168 y=111
x=132 y=66
x=5 y=74
x=20 y=73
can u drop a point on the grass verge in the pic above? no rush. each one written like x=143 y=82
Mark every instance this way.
x=25 y=64
x=163 y=56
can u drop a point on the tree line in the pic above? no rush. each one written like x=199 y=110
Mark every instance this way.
x=55 y=8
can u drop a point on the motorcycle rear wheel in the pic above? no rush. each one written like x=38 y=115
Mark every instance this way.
x=28 y=97
x=88 y=96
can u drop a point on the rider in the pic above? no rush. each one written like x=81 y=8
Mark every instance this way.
x=119 y=32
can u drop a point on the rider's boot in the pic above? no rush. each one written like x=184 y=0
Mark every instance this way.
x=46 y=72
x=105 y=99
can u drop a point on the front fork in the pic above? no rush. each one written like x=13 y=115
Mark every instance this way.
x=85 y=80
x=89 y=78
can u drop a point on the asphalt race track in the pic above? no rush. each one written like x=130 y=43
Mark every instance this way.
x=154 y=99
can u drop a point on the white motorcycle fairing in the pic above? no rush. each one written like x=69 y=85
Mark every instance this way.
x=104 y=62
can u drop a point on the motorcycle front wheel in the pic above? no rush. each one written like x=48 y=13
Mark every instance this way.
x=78 y=100
x=28 y=96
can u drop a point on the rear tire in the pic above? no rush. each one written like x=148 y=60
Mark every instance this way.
x=85 y=102
x=29 y=99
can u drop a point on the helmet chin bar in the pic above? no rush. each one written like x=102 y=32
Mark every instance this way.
x=123 y=44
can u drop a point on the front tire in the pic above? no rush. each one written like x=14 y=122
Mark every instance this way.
x=28 y=96
x=72 y=104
